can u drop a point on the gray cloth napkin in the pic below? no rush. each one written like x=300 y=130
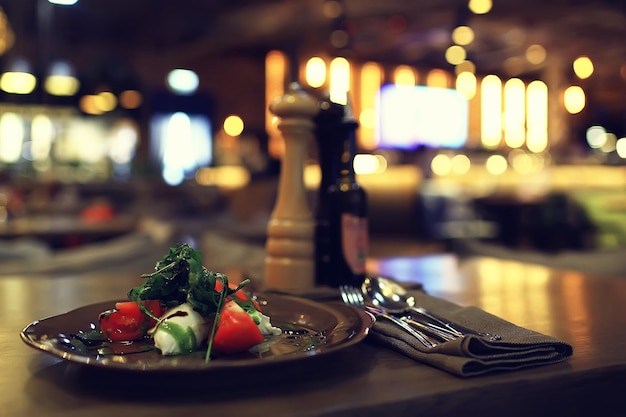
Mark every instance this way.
x=473 y=355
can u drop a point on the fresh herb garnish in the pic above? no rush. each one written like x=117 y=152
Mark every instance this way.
x=180 y=277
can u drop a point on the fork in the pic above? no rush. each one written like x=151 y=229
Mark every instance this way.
x=353 y=296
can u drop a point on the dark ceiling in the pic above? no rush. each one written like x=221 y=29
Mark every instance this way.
x=194 y=26
x=395 y=31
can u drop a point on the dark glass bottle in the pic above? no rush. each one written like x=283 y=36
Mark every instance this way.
x=348 y=228
x=329 y=134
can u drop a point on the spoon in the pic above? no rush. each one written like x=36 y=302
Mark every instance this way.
x=388 y=294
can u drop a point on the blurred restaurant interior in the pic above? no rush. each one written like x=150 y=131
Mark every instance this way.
x=484 y=125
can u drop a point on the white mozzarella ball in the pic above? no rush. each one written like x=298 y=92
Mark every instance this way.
x=181 y=330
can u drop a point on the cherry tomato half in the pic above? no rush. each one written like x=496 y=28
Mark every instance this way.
x=126 y=322
x=132 y=309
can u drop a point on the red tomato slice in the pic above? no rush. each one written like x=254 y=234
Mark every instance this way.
x=240 y=294
x=236 y=331
x=126 y=322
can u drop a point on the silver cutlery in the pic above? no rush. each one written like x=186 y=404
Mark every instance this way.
x=353 y=296
x=386 y=294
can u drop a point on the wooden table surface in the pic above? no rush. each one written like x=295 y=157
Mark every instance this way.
x=362 y=380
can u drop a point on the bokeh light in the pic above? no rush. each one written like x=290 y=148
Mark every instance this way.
x=596 y=136
x=332 y=9
x=404 y=75
x=369 y=164
x=610 y=143
x=233 y=125
x=480 y=6
x=441 y=164
x=536 y=54
x=130 y=99
x=460 y=164
x=491 y=111
x=465 y=66
x=574 y=99
x=466 y=84
x=183 y=81
x=339 y=80
x=496 y=164
x=583 y=67
x=462 y=35
x=455 y=54
x=620 y=147
x=315 y=72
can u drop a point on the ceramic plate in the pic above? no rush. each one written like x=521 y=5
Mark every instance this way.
x=309 y=329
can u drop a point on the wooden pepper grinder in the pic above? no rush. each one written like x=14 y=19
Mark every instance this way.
x=289 y=261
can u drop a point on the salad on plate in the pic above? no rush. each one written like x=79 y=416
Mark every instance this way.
x=183 y=307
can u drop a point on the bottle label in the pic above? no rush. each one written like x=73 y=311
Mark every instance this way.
x=354 y=241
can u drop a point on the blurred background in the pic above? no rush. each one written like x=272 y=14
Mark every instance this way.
x=485 y=126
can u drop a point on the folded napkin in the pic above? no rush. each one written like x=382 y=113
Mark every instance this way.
x=473 y=355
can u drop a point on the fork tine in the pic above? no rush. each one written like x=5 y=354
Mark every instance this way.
x=344 y=295
x=347 y=295
x=354 y=296
x=359 y=296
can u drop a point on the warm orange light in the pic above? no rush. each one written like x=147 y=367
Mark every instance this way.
x=404 y=75
x=574 y=99
x=583 y=67
x=537 y=116
x=496 y=165
x=438 y=78
x=315 y=72
x=89 y=104
x=275 y=74
x=480 y=6
x=227 y=177
x=371 y=78
x=465 y=66
x=105 y=101
x=455 y=54
x=536 y=54
x=460 y=164
x=18 y=82
x=339 y=80
x=466 y=84
x=233 y=125
x=332 y=9
x=130 y=99
x=441 y=164
x=491 y=111
x=462 y=35
x=514 y=112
